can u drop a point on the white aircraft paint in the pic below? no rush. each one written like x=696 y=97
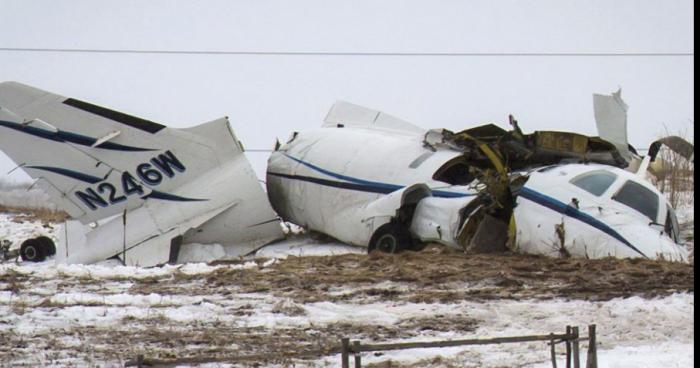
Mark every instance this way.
x=595 y=225
x=349 y=180
x=133 y=187
x=362 y=168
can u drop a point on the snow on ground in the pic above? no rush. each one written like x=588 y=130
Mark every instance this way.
x=626 y=325
x=23 y=195
x=306 y=246
x=685 y=211
x=105 y=314
x=68 y=315
x=17 y=228
x=54 y=317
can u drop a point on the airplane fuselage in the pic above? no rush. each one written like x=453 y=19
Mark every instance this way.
x=332 y=180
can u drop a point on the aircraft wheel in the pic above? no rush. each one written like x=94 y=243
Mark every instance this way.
x=47 y=245
x=32 y=251
x=390 y=238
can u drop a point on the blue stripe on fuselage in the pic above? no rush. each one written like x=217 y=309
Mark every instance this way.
x=367 y=185
x=563 y=208
x=532 y=195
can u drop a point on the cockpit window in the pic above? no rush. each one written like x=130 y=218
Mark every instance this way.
x=455 y=172
x=595 y=182
x=640 y=198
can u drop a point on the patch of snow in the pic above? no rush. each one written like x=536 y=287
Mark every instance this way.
x=25 y=197
x=306 y=246
x=17 y=230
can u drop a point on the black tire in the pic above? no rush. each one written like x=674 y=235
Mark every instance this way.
x=390 y=238
x=47 y=245
x=32 y=251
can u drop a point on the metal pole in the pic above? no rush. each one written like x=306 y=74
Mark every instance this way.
x=592 y=359
x=577 y=361
x=124 y=242
x=344 y=356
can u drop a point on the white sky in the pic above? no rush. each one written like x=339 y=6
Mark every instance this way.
x=270 y=96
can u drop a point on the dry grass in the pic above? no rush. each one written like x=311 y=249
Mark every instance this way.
x=676 y=175
x=435 y=275
x=45 y=215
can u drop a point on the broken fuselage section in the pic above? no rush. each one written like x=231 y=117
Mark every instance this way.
x=370 y=179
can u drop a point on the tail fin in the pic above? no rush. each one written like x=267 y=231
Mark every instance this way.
x=95 y=162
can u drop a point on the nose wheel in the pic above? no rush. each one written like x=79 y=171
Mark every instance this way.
x=391 y=238
x=388 y=243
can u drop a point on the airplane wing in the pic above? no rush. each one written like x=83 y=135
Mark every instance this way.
x=676 y=144
x=346 y=114
x=611 y=120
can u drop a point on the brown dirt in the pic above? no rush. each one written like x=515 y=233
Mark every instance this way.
x=435 y=275
x=44 y=215
x=441 y=275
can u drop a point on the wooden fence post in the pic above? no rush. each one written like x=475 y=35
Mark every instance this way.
x=358 y=357
x=592 y=358
x=568 y=348
x=345 y=354
x=577 y=361
x=553 y=352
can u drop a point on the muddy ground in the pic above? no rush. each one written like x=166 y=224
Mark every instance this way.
x=434 y=275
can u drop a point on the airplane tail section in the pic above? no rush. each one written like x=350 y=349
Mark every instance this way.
x=95 y=162
x=100 y=165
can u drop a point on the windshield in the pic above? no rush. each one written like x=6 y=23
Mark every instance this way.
x=640 y=198
x=595 y=182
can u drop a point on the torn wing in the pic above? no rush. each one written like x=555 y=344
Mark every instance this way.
x=611 y=120
x=347 y=114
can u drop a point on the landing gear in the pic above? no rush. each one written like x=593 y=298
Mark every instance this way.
x=391 y=238
x=37 y=249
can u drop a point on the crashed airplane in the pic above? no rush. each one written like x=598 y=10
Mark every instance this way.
x=373 y=180
x=148 y=195
x=133 y=189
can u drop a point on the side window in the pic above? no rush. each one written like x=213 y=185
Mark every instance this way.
x=595 y=182
x=640 y=198
x=454 y=172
